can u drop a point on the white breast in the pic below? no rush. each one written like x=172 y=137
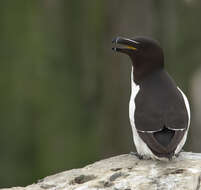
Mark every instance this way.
x=181 y=144
x=141 y=147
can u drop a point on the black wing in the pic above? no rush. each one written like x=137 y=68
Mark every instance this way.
x=165 y=147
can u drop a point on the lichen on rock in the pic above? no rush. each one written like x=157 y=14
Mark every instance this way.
x=126 y=172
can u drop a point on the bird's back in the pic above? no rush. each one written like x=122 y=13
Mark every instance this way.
x=160 y=103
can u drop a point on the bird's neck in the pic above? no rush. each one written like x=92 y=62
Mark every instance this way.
x=144 y=66
x=141 y=74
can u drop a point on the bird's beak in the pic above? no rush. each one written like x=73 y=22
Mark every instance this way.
x=127 y=45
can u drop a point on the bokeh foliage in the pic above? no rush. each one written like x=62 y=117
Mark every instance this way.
x=63 y=94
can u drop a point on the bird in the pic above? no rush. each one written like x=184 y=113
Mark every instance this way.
x=159 y=111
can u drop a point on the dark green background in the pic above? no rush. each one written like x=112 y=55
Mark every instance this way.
x=63 y=92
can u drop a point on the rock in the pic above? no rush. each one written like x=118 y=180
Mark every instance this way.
x=126 y=172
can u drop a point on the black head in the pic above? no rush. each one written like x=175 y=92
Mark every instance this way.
x=145 y=53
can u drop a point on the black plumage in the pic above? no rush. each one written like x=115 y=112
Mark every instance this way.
x=159 y=103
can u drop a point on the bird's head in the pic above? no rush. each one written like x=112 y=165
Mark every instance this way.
x=145 y=53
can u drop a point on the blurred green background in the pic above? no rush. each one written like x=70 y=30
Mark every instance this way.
x=64 y=94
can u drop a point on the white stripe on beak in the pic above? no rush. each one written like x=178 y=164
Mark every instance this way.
x=136 y=42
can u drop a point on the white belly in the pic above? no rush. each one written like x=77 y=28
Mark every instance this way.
x=181 y=144
x=141 y=147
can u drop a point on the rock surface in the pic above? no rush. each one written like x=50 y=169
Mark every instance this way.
x=126 y=172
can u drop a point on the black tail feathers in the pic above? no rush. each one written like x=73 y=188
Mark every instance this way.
x=164 y=137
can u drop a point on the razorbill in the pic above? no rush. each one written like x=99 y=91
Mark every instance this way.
x=159 y=111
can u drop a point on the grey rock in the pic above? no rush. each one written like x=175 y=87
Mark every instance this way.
x=126 y=172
